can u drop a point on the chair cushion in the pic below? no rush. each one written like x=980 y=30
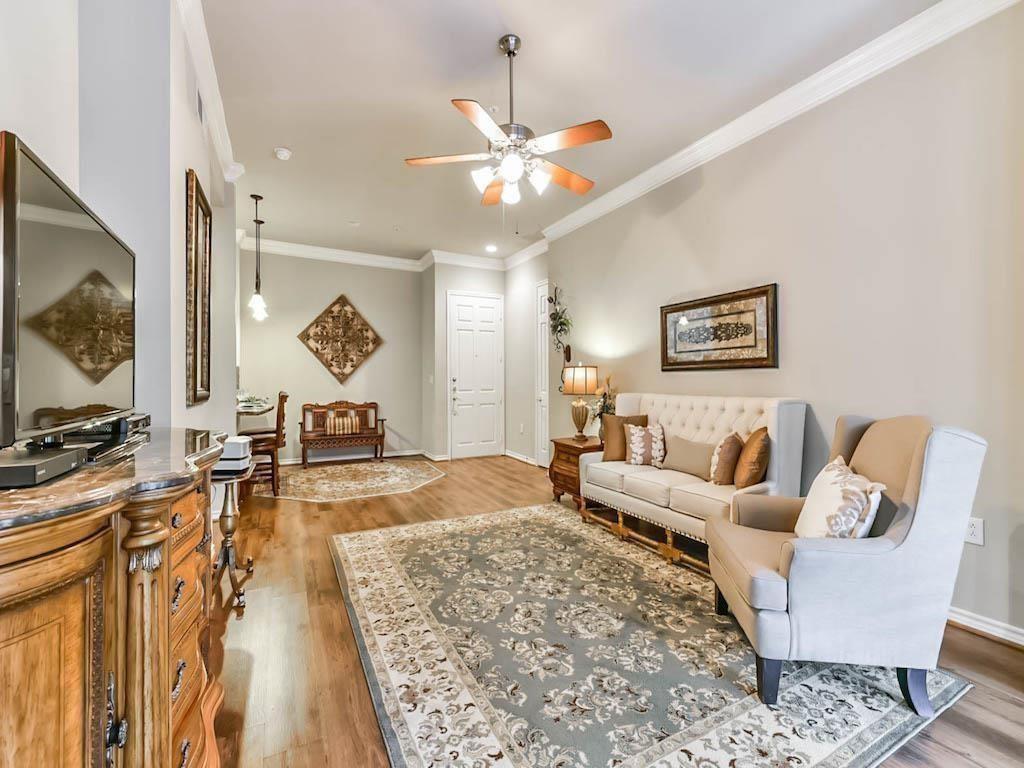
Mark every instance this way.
x=656 y=486
x=609 y=474
x=751 y=557
x=703 y=500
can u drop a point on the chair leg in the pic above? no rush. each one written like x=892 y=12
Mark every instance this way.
x=914 y=687
x=274 y=478
x=769 y=672
x=721 y=606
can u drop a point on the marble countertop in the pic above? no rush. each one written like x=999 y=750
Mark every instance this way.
x=171 y=457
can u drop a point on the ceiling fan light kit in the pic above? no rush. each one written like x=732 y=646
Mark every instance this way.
x=515 y=151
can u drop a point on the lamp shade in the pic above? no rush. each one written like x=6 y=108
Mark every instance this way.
x=579 y=379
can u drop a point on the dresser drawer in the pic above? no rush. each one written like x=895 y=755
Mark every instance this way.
x=567 y=466
x=188 y=524
x=564 y=480
x=188 y=743
x=187 y=587
x=186 y=674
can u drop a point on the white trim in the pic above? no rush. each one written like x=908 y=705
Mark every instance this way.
x=41 y=214
x=918 y=34
x=461 y=260
x=521 y=457
x=531 y=251
x=1000 y=629
x=437 y=456
x=299 y=250
x=194 y=23
x=240 y=237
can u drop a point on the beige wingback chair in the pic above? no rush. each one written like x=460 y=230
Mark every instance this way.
x=881 y=600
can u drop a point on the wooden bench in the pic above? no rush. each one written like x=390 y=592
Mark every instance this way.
x=315 y=429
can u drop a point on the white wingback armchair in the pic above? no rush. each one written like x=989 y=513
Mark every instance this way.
x=881 y=600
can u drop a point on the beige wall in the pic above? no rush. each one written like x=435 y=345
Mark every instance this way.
x=273 y=358
x=893 y=220
x=521 y=354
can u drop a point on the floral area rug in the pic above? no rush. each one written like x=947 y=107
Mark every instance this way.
x=338 y=482
x=528 y=638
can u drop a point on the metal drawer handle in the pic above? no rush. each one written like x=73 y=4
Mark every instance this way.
x=176 y=690
x=179 y=587
x=176 y=520
x=186 y=751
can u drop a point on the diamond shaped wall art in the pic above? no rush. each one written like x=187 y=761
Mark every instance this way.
x=340 y=338
x=92 y=324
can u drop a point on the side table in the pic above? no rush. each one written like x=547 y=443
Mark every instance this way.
x=565 y=465
x=227 y=557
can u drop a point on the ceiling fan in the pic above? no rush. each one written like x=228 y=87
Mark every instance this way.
x=514 y=151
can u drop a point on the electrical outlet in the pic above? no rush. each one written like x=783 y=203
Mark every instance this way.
x=975 y=531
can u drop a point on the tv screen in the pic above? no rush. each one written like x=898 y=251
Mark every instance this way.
x=74 y=350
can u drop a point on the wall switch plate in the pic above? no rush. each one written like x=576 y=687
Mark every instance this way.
x=975 y=531
x=521 y=429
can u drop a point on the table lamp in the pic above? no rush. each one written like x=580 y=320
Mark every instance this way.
x=579 y=380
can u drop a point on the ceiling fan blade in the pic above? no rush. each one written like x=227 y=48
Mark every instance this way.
x=585 y=133
x=479 y=117
x=492 y=195
x=439 y=159
x=563 y=177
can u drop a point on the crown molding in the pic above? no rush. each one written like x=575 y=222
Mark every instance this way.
x=357 y=258
x=194 y=23
x=531 y=251
x=914 y=36
x=462 y=260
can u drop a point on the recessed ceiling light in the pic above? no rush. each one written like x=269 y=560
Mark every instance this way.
x=282 y=153
x=491 y=248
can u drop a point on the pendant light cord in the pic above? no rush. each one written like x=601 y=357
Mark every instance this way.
x=511 y=102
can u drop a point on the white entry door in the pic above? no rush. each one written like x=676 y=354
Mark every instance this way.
x=476 y=375
x=540 y=429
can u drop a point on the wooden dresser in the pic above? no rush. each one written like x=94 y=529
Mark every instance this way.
x=565 y=465
x=104 y=613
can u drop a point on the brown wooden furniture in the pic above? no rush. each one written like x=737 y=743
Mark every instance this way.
x=565 y=465
x=314 y=434
x=104 y=613
x=266 y=443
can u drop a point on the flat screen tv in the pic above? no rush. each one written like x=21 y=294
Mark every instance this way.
x=67 y=306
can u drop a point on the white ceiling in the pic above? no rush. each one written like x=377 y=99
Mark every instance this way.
x=355 y=86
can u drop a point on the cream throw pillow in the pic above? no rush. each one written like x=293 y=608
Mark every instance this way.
x=840 y=505
x=645 y=445
x=684 y=455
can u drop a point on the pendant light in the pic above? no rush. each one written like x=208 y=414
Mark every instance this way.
x=256 y=303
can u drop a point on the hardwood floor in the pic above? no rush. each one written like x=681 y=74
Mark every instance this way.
x=295 y=694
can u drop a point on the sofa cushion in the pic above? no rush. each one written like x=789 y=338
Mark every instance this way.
x=655 y=486
x=609 y=474
x=703 y=500
x=751 y=557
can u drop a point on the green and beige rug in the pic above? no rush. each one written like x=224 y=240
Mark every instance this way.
x=527 y=638
x=358 y=480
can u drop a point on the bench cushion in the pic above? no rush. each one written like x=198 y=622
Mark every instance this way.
x=655 y=486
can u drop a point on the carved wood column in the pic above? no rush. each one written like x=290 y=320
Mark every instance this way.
x=147 y=631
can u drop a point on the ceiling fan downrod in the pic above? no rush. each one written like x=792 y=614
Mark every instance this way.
x=509 y=45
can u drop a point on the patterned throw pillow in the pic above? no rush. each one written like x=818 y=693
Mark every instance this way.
x=645 y=445
x=723 y=460
x=840 y=505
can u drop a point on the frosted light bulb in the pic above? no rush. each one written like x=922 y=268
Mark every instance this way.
x=540 y=179
x=510 y=194
x=512 y=168
x=258 y=307
x=482 y=177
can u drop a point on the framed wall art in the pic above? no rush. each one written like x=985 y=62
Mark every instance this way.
x=731 y=330
x=198 y=244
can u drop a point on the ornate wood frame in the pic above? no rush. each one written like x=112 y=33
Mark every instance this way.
x=770 y=360
x=198 y=255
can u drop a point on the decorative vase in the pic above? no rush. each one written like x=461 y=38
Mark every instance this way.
x=600 y=430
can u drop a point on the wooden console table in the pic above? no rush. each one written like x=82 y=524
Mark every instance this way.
x=104 y=612
x=565 y=465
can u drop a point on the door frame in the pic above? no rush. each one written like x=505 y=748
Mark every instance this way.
x=536 y=381
x=448 y=294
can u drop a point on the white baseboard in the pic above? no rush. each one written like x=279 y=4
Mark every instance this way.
x=436 y=456
x=361 y=455
x=521 y=457
x=987 y=626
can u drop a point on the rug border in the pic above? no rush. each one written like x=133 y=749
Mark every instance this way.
x=391 y=744
x=364 y=496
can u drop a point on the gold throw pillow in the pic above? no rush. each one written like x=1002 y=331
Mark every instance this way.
x=615 y=434
x=724 y=459
x=753 y=461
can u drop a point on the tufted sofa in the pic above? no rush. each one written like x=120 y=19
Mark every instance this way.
x=681 y=503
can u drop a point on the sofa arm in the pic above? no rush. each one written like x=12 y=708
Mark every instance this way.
x=586 y=459
x=768 y=513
